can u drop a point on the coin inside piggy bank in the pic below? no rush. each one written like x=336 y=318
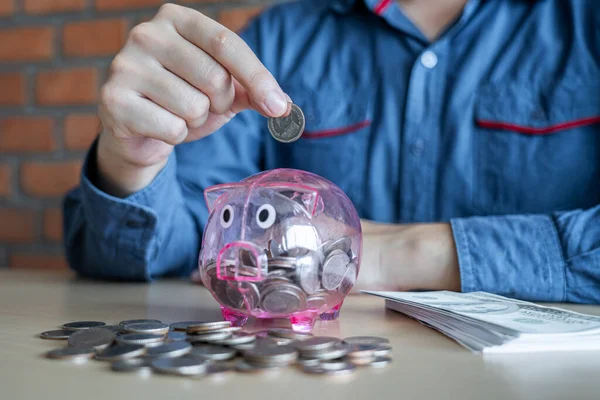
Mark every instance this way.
x=280 y=244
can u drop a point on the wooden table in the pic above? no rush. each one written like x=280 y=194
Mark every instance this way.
x=426 y=364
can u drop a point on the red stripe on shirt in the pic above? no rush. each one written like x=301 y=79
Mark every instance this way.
x=335 y=132
x=382 y=6
x=538 y=131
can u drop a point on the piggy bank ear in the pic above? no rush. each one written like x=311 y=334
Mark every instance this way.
x=306 y=197
x=213 y=193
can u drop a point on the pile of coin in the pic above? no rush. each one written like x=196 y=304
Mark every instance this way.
x=198 y=348
x=288 y=129
x=297 y=279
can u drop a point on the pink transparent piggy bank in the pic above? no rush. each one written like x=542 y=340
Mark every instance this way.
x=280 y=244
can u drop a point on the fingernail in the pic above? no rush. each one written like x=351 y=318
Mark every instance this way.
x=289 y=99
x=276 y=103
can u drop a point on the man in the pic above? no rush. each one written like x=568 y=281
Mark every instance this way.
x=469 y=130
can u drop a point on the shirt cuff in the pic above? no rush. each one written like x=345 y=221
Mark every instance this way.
x=131 y=222
x=515 y=256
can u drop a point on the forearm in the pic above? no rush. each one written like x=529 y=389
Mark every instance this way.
x=408 y=256
x=141 y=236
x=119 y=176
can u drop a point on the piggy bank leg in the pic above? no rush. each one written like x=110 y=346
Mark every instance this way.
x=303 y=321
x=235 y=318
x=333 y=313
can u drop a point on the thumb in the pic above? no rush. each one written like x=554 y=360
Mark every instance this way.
x=243 y=101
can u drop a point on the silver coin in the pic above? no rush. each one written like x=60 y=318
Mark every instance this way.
x=230 y=329
x=241 y=346
x=282 y=298
x=114 y=328
x=172 y=349
x=183 y=325
x=349 y=279
x=237 y=339
x=368 y=340
x=71 y=353
x=289 y=334
x=360 y=361
x=176 y=336
x=274 y=248
x=333 y=364
x=246 y=367
x=343 y=243
x=283 y=341
x=130 y=365
x=308 y=362
x=80 y=325
x=213 y=352
x=319 y=370
x=316 y=343
x=362 y=350
x=207 y=326
x=334 y=269
x=139 y=338
x=287 y=129
x=219 y=368
x=338 y=350
x=316 y=301
x=242 y=295
x=156 y=328
x=139 y=321
x=59 y=334
x=96 y=338
x=209 y=337
x=179 y=366
x=382 y=350
x=308 y=267
x=121 y=352
x=271 y=355
x=380 y=362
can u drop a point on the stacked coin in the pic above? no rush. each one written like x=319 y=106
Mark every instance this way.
x=297 y=279
x=198 y=348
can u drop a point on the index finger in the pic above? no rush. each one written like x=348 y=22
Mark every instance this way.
x=230 y=50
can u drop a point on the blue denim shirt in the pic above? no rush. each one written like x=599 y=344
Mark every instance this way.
x=494 y=127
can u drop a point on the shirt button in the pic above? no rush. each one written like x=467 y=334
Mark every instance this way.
x=429 y=59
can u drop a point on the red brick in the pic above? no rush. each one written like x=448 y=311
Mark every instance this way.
x=13 y=89
x=237 y=18
x=17 y=226
x=105 y=5
x=7 y=7
x=80 y=131
x=94 y=38
x=5 y=175
x=26 y=134
x=53 y=224
x=53 y=6
x=49 y=179
x=71 y=86
x=26 y=44
x=38 y=261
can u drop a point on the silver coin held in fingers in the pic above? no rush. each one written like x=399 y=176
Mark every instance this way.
x=288 y=129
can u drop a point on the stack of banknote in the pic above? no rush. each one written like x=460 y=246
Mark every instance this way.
x=487 y=323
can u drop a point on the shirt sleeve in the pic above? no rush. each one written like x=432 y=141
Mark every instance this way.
x=157 y=231
x=554 y=257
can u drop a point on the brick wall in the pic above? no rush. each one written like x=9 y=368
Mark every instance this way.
x=54 y=56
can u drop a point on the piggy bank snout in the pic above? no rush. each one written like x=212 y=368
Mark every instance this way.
x=242 y=261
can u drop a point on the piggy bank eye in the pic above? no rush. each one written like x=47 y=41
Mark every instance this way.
x=265 y=217
x=227 y=216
